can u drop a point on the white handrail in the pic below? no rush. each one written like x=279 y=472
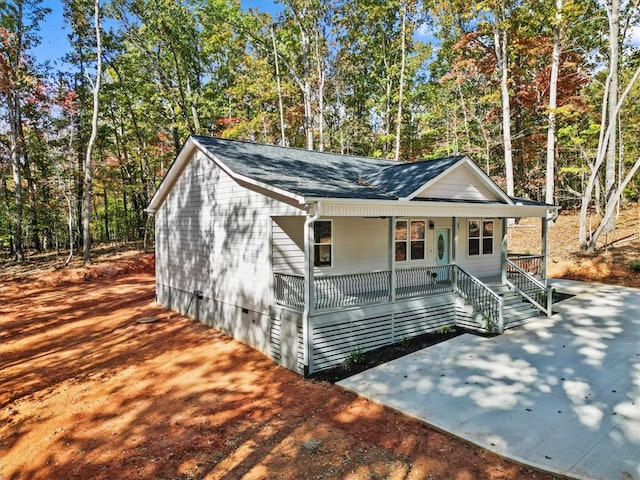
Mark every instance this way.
x=541 y=288
x=497 y=300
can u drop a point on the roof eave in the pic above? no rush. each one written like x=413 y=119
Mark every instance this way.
x=170 y=178
x=248 y=180
x=461 y=209
x=180 y=162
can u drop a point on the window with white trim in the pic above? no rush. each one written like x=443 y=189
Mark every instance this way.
x=480 y=237
x=323 y=243
x=410 y=240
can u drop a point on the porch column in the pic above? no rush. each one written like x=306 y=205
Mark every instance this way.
x=391 y=256
x=543 y=247
x=309 y=293
x=503 y=259
x=309 y=287
x=454 y=239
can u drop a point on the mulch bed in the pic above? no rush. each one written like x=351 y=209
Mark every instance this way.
x=372 y=358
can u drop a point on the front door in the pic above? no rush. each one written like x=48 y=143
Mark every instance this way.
x=442 y=247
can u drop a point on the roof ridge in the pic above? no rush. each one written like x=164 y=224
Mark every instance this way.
x=303 y=150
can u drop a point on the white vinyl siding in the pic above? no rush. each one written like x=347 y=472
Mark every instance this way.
x=459 y=184
x=213 y=236
x=359 y=245
x=479 y=265
x=287 y=235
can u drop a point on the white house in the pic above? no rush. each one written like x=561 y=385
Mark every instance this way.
x=308 y=256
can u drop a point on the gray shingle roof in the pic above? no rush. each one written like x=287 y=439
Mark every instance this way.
x=325 y=175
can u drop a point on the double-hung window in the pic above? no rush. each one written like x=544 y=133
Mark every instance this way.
x=480 y=237
x=410 y=240
x=323 y=243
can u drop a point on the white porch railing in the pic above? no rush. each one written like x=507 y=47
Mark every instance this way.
x=530 y=288
x=289 y=290
x=532 y=264
x=416 y=282
x=338 y=291
x=482 y=297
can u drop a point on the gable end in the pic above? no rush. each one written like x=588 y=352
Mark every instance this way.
x=460 y=184
x=464 y=181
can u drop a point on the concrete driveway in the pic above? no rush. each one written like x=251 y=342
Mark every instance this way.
x=561 y=394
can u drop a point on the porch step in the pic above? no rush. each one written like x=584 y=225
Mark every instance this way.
x=516 y=311
x=520 y=315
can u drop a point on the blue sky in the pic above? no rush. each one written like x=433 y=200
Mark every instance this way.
x=53 y=34
x=53 y=30
x=55 y=43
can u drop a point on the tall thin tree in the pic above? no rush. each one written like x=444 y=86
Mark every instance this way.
x=88 y=166
x=613 y=14
x=553 y=103
x=500 y=44
x=403 y=62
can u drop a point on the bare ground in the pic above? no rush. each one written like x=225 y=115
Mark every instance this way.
x=89 y=392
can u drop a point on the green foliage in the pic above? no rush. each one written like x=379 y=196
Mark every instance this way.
x=488 y=323
x=178 y=68
x=634 y=265
x=541 y=298
x=356 y=356
x=445 y=329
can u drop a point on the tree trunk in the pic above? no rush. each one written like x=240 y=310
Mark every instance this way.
x=305 y=81
x=601 y=153
x=16 y=140
x=16 y=148
x=500 y=41
x=105 y=199
x=283 y=138
x=614 y=53
x=88 y=167
x=403 y=61
x=611 y=206
x=553 y=91
x=320 y=92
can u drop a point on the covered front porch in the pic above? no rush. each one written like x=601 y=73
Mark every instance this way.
x=348 y=283
x=523 y=275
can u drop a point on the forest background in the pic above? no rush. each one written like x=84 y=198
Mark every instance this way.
x=542 y=94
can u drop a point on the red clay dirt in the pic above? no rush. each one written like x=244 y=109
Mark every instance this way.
x=89 y=392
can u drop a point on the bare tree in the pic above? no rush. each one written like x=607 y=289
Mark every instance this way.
x=88 y=166
x=553 y=94
x=606 y=134
x=613 y=14
x=500 y=44
x=283 y=138
x=403 y=62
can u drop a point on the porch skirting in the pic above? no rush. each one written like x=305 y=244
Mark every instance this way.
x=334 y=335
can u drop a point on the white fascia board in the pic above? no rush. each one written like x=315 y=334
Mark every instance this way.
x=481 y=175
x=402 y=208
x=170 y=178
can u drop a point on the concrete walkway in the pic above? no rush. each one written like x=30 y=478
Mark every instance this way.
x=561 y=394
